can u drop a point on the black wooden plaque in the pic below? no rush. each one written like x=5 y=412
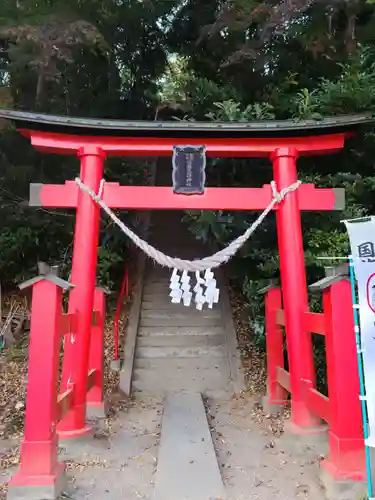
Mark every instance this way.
x=189 y=169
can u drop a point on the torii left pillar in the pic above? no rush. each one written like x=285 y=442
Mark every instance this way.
x=76 y=347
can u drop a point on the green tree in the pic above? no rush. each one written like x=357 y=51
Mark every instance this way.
x=94 y=58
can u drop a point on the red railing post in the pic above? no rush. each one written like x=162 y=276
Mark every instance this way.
x=276 y=394
x=124 y=292
x=347 y=455
x=294 y=288
x=95 y=397
x=77 y=346
x=40 y=474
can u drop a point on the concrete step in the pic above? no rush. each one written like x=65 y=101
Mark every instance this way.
x=210 y=378
x=154 y=388
x=182 y=341
x=160 y=287
x=159 y=365
x=181 y=352
x=161 y=302
x=166 y=331
x=184 y=313
x=163 y=297
x=179 y=320
x=160 y=276
x=155 y=277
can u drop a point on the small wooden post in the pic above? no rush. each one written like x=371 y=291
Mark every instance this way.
x=40 y=473
x=95 y=397
x=276 y=394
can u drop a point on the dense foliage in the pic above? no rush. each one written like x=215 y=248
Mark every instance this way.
x=195 y=60
x=91 y=58
x=264 y=60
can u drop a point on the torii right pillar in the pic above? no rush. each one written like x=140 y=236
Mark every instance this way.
x=294 y=290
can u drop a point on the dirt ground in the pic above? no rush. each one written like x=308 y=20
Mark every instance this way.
x=255 y=462
x=120 y=461
x=121 y=464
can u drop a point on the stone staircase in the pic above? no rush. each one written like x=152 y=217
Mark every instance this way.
x=169 y=347
x=180 y=348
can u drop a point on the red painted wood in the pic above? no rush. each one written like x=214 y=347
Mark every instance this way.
x=347 y=454
x=92 y=378
x=65 y=403
x=342 y=409
x=77 y=347
x=150 y=146
x=314 y=323
x=280 y=317
x=318 y=403
x=124 y=292
x=68 y=323
x=39 y=449
x=293 y=279
x=275 y=347
x=163 y=198
x=283 y=377
x=95 y=397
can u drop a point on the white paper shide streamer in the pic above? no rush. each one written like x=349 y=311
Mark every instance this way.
x=205 y=289
x=362 y=242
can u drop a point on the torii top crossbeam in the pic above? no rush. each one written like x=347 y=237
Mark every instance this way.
x=65 y=135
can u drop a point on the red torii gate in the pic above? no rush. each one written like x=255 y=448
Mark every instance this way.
x=93 y=140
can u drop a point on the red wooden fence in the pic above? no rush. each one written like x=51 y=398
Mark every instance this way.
x=39 y=466
x=341 y=410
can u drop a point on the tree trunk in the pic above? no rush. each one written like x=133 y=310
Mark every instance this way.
x=39 y=91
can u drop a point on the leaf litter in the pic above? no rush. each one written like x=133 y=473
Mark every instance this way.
x=13 y=381
x=254 y=365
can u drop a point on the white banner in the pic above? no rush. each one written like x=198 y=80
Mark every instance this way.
x=362 y=243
